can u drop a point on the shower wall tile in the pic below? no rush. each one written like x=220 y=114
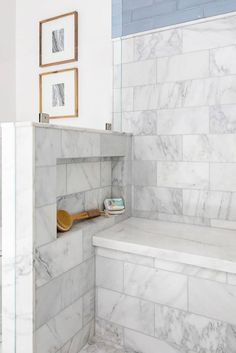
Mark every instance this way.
x=105 y=173
x=209 y=204
x=223 y=224
x=124 y=310
x=105 y=269
x=156 y=286
x=82 y=177
x=82 y=144
x=146 y=97
x=168 y=321
x=183 y=175
x=209 y=148
x=52 y=336
x=212 y=299
x=54 y=297
x=183 y=67
x=162 y=148
x=223 y=61
x=223 y=119
x=139 y=73
x=45 y=224
x=164 y=200
x=222 y=177
x=183 y=121
x=45 y=191
x=140 y=123
x=112 y=332
x=48 y=261
x=61 y=181
x=144 y=173
x=210 y=34
x=76 y=343
x=45 y=140
x=151 y=46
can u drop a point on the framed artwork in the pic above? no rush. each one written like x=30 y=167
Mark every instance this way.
x=58 y=40
x=59 y=93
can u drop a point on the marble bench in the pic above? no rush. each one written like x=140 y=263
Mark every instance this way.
x=166 y=287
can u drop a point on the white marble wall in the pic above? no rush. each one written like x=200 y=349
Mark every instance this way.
x=49 y=280
x=175 y=90
x=149 y=305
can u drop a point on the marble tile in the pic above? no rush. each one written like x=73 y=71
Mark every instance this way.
x=88 y=249
x=156 y=285
x=209 y=91
x=189 y=332
x=146 y=97
x=53 y=335
x=231 y=279
x=81 y=144
x=45 y=191
x=83 y=177
x=223 y=224
x=106 y=173
x=158 y=199
x=189 y=270
x=117 y=50
x=47 y=146
x=210 y=204
x=212 y=299
x=144 y=173
x=146 y=344
x=223 y=119
x=183 y=67
x=109 y=274
x=113 y=146
x=123 y=100
x=183 y=175
x=222 y=176
x=76 y=343
x=48 y=261
x=56 y=295
x=212 y=148
x=126 y=311
x=121 y=170
x=98 y=345
x=171 y=95
x=95 y=198
x=61 y=179
x=209 y=34
x=140 y=123
x=165 y=43
x=222 y=61
x=88 y=307
x=72 y=203
x=157 y=148
x=127 y=50
x=139 y=73
x=109 y=331
x=124 y=256
x=45 y=224
x=183 y=121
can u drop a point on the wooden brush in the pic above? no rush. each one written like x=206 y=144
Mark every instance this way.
x=65 y=220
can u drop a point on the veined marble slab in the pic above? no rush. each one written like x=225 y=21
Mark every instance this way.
x=194 y=245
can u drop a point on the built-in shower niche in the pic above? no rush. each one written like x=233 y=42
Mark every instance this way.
x=84 y=183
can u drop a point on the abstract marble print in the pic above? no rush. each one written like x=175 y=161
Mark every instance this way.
x=58 y=95
x=58 y=40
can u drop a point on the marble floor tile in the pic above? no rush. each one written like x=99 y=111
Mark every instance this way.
x=99 y=346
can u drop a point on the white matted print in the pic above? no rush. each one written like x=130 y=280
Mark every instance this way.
x=59 y=93
x=59 y=40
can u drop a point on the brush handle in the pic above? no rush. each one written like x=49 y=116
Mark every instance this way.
x=86 y=215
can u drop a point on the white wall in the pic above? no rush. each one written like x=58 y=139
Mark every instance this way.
x=7 y=61
x=95 y=59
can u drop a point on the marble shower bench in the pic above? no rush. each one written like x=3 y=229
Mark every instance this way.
x=166 y=288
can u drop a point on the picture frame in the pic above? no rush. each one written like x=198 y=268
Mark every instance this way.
x=58 y=40
x=58 y=92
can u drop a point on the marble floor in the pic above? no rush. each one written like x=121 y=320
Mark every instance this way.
x=98 y=345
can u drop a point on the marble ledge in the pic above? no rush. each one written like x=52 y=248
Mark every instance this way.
x=66 y=127
x=204 y=247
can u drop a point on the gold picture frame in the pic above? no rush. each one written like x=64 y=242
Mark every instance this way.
x=59 y=53
x=53 y=90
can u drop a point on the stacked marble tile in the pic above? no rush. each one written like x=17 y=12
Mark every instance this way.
x=175 y=90
x=151 y=305
x=49 y=280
